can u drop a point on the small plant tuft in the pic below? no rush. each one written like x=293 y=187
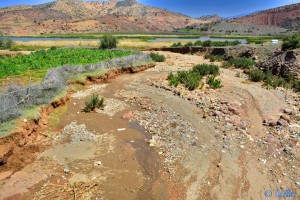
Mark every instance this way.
x=214 y=83
x=257 y=75
x=157 y=57
x=94 y=102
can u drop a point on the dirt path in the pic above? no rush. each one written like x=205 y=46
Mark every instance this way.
x=191 y=155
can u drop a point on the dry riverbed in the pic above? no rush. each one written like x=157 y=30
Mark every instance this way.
x=153 y=141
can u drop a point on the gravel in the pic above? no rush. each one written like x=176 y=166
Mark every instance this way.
x=76 y=133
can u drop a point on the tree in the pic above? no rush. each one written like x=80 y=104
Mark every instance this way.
x=5 y=42
x=108 y=42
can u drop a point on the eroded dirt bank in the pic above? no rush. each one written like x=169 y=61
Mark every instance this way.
x=156 y=142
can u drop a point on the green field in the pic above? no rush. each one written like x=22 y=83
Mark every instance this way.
x=36 y=64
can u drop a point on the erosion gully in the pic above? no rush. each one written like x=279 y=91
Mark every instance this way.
x=120 y=165
x=104 y=156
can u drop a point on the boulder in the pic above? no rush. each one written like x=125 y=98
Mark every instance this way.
x=235 y=51
x=282 y=63
x=282 y=122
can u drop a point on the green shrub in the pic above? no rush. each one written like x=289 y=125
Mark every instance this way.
x=243 y=63
x=291 y=42
x=189 y=44
x=206 y=69
x=177 y=44
x=206 y=43
x=214 y=83
x=198 y=43
x=53 y=48
x=108 y=42
x=189 y=79
x=296 y=85
x=257 y=75
x=157 y=57
x=173 y=80
x=93 y=102
x=275 y=81
x=213 y=58
x=209 y=43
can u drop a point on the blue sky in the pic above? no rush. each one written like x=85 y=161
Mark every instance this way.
x=194 y=8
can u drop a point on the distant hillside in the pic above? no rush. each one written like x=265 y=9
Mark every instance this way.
x=77 y=16
x=285 y=16
x=211 y=18
x=229 y=28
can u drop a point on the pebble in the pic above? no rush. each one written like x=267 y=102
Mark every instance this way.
x=66 y=170
x=97 y=163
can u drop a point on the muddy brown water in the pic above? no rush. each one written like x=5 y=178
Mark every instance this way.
x=134 y=136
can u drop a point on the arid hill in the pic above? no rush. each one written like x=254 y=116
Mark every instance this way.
x=285 y=16
x=77 y=16
x=211 y=18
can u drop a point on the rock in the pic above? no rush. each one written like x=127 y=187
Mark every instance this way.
x=271 y=140
x=219 y=165
x=5 y=174
x=25 y=120
x=289 y=111
x=236 y=51
x=152 y=143
x=216 y=113
x=5 y=152
x=128 y=115
x=282 y=122
x=283 y=63
x=155 y=137
x=297 y=183
x=234 y=110
x=285 y=117
x=97 y=163
x=242 y=125
x=66 y=170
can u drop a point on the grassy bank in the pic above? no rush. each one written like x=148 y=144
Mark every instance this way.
x=118 y=35
x=133 y=44
x=250 y=39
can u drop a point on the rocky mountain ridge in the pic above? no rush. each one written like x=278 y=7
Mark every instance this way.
x=77 y=16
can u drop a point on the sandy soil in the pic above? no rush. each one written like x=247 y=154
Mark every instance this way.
x=107 y=156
